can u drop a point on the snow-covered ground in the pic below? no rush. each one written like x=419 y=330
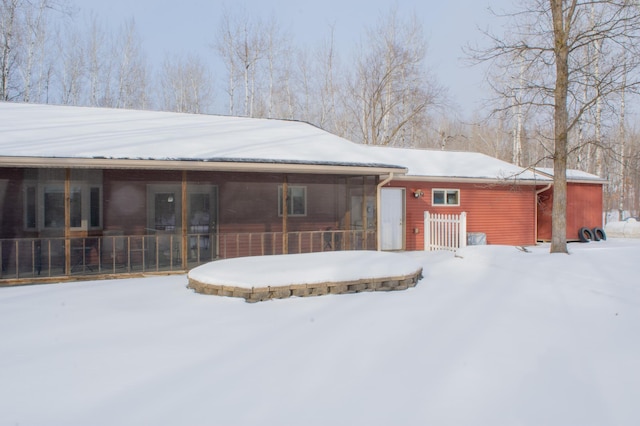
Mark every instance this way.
x=492 y=336
x=629 y=228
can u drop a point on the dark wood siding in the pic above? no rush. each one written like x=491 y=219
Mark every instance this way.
x=11 y=203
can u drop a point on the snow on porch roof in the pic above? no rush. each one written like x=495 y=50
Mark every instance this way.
x=438 y=165
x=53 y=132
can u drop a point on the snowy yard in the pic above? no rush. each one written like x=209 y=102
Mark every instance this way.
x=494 y=336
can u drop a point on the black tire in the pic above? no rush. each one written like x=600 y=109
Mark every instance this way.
x=585 y=235
x=598 y=234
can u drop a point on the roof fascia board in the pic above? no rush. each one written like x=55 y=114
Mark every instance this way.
x=596 y=180
x=195 y=165
x=588 y=181
x=452 y=179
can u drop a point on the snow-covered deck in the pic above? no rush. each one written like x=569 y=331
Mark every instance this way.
x=310 y=274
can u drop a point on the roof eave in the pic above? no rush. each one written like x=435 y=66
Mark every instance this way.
x=201 y=165
x=479 y=180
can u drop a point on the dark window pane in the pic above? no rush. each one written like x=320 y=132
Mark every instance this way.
x=94 y=207
x=452 y=197
x=31 y=207
x=54 y=209
x=438 y=197
x=76 y=208
x=165 y=211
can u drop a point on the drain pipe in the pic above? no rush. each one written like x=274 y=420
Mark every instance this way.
x=378 y=212
x=538 y=192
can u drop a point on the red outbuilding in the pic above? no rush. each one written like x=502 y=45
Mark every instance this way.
x=584 y=205
x=498 y=200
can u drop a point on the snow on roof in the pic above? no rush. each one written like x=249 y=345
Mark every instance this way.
x=47 y=131
x=452 y=164
x=573 y=174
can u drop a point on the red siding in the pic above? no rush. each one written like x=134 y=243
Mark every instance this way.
x=505 y=213
x=584 y=208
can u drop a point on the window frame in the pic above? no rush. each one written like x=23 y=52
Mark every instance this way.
x=36 y=209
x=290 y=205
x=445 y=195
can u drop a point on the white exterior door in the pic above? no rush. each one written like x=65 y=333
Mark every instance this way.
x=392 y=218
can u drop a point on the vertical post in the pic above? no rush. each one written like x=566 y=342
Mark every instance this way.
x=364 y=215
x=427 y=231
x=285 y=214
x=67 y=221
x=185 y=221
x=463 y=229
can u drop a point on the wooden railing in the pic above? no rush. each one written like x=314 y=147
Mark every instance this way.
x=24 y=259
x=267 y=243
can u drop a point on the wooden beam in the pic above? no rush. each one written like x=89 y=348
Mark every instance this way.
x=67 y=221
x=285 y=215
x=185 y=221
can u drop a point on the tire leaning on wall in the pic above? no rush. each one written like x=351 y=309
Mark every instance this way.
x=585 y=234
x=598 y=234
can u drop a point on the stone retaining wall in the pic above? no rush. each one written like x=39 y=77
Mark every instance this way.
x=259 y=294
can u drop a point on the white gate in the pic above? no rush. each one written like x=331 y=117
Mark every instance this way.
x=445 y=231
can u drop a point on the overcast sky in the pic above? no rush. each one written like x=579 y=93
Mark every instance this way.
x=189 y=26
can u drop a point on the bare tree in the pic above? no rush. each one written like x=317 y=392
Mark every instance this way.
x=328 y=72
x=10 y=32
x=551 y=37
x=132 y=70
x=186 y=85
x=71 y=69
x=226 y=40
x=390 y=86
x=242 y=43
x=26 y=42
x=99 y=64
x=278 y=48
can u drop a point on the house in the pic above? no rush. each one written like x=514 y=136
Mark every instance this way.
x=100 y=191
x=584 y=204
x=499 y=198
x=91 y=191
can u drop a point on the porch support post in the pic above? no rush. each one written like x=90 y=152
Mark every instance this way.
x=185 y=221
x=285 y=215
x=67 y=221
x=365 y=225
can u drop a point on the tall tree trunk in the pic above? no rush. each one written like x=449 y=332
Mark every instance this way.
x=621 y=155
x=560 y=118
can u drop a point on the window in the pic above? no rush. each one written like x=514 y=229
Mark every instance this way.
x=53 y=207
x=296 y=201
x=44 y=203
x=445 y=197
x=94 y=207
x=30 y=207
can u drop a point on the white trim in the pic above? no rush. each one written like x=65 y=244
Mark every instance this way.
x=44 y=187
x=445 y=190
